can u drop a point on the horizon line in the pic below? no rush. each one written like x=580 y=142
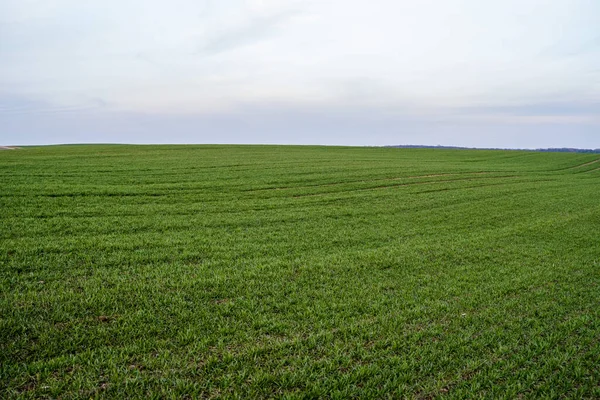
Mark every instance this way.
x=399 y=146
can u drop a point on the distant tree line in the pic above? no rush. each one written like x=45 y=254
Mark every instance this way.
x=570 y=150
x=554 y=150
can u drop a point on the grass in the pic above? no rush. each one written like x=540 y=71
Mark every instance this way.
x=298 y=272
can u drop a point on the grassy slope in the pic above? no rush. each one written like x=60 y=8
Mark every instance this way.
x=255 y=271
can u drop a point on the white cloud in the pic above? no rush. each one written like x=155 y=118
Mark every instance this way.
x=396 y=56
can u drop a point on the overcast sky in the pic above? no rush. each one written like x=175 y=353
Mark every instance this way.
x=482 y=73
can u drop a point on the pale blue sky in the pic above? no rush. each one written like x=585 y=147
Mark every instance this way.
x=510 y=73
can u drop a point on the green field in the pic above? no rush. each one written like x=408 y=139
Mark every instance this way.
x=298 y=272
